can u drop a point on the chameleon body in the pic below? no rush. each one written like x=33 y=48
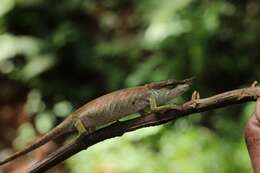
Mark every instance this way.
x=112 y=107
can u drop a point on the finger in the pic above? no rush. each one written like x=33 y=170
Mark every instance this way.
x=252 y=130
x=257 y=110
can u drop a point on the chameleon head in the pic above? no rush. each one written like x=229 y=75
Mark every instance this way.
x=170 y=90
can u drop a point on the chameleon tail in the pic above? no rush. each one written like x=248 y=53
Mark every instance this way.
x=61 y=129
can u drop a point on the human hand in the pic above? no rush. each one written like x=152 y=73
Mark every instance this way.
x=252 y=136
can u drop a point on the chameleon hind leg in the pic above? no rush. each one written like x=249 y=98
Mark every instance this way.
x=81 y=127
x=155 y=108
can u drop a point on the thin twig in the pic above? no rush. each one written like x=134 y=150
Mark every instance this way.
x=152 y=119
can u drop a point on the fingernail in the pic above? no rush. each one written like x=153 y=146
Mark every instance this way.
x=257 y=109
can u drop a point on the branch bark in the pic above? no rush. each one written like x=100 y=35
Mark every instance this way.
x=118 y=129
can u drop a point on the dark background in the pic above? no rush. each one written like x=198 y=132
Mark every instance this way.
x=57 y=55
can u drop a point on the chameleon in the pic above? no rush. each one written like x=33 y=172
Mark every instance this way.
x=109 y=108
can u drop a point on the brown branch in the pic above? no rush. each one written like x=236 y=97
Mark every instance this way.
x=152 y=119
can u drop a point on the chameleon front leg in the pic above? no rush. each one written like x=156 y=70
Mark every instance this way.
x=155 y=108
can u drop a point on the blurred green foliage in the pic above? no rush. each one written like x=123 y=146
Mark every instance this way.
x=66 y=53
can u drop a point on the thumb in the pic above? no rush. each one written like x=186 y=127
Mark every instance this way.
x=252 y=135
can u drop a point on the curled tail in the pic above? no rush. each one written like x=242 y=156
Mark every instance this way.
x=61 y=129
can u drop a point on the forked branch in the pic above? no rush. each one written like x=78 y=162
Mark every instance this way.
x=118 y=129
